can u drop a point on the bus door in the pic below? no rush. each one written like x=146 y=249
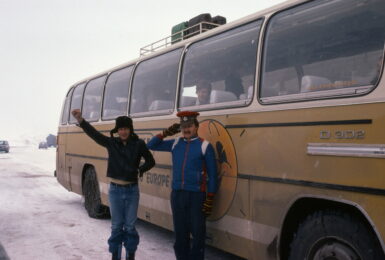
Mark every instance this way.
x=62 y=173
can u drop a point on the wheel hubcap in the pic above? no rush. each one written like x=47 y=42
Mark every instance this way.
x=332 y=249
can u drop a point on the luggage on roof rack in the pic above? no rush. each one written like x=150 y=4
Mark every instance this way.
x=219 y=20
x=177 y=32
x=194 y=30
x=197 y=25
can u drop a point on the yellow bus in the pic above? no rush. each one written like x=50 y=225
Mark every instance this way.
x=296 y=116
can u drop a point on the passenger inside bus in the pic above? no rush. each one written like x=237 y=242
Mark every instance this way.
x=203 y=91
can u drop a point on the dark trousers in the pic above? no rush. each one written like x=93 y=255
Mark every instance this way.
x=188 y=219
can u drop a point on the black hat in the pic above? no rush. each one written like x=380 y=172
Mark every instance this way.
x=122 y=121
x=188 y=118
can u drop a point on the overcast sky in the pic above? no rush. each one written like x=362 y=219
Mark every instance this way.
x=47 y=45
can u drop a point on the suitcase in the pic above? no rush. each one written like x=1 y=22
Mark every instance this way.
x=219 y=20
x=206 y=17
x=177 y=32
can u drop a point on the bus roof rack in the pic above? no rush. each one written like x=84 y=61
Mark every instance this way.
x=178 y=36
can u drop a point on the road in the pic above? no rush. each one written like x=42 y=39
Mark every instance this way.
x=39 y=219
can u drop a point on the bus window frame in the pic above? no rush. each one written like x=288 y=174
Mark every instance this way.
x=217 y=106
x=307 y=96
x=128 y=93
x=223 y=105
x=81 y=104
x=163 y=111
x=68 y=95
x=101 y=96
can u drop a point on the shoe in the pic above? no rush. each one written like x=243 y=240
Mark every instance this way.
x=131 y=256
x=115 y=256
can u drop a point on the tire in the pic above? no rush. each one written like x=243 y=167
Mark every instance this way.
x=334 y=235
x=92 y=201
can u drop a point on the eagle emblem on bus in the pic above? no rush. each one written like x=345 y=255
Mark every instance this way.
x=214 y=132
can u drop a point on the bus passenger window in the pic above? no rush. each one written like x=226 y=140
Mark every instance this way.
x=314 y=83
x=221 y=69
x=66 y=106
x=308 y=48
x=234 y=85
x=93 y=99
x=76 y=101
x=115 y=99
x=203 y=92
x=154 y=84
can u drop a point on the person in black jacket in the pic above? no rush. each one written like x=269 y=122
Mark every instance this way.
x=124 y=155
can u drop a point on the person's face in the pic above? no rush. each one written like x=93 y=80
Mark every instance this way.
x=203 y=95
x=189 y=130
x=124 y=133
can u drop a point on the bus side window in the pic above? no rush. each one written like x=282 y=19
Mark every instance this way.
x=224 y=62
x=115 y=100
x=280 y=82
x=76 y=101
x=66 y=106
x=154 y=84
x=234 y=85
x=93 y=99
x=319 y=50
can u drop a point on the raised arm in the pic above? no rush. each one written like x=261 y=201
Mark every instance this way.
x=157 y=143
x=89 y=129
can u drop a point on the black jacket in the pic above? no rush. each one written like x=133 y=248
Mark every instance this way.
x=123 y=160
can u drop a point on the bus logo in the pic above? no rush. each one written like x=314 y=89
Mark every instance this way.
x=217 y=135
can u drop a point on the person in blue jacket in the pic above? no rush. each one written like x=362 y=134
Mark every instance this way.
x=194 y=183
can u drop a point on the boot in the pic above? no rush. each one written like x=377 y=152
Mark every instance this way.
x=115 y=256
x=131 y=256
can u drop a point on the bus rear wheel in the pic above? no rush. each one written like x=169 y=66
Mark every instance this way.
x=334 y=235
x=91 y=192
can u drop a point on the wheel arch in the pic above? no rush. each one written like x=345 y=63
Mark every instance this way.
x=302 y=206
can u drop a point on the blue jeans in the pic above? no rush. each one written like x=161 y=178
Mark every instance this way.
x=124 y=203
x=188 y=219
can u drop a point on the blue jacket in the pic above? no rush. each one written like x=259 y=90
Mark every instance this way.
x=194 y=166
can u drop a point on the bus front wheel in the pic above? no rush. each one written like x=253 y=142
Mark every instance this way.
x=92 y=201
x=334 y=235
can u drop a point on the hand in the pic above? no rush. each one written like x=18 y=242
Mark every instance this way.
x=208 y=205
x=172 y=130
x=78 y=115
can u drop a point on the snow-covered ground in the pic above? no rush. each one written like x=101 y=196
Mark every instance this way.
x=39 y=219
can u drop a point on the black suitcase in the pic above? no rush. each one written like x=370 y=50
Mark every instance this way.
x=219 y=20
x=196 y=20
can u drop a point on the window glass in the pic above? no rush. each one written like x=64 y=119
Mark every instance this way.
x=154 y=84
x=116 y=93
x=324 y=46
x=93 y=99
x=64 y=115
x=221 y=68
x=76 y=102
